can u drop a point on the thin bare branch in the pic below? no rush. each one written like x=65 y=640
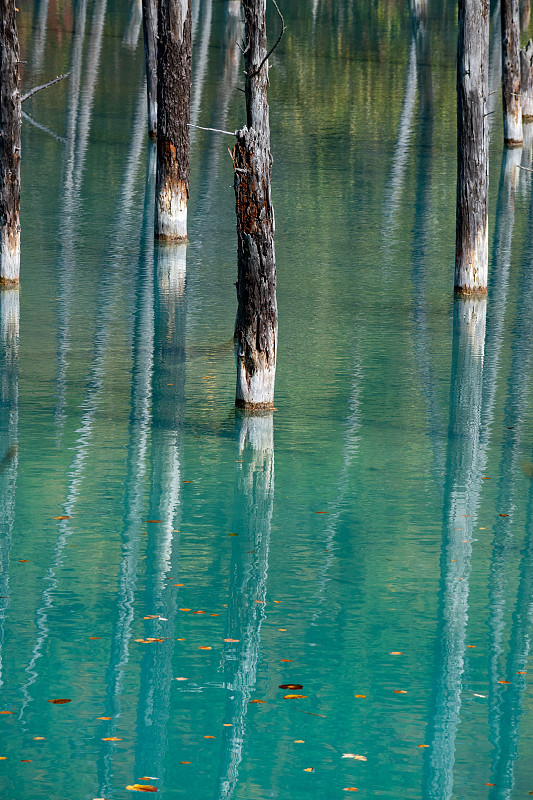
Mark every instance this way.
x=280 y=37
x=44 y=86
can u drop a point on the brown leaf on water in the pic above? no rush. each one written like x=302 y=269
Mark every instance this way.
x=504 y=681
x=141 y=787
x=214 y=615
x=489 y=784
x=204 y=648
x=152 y=616
x=95 y=637
x=198 y=612
x=287 y=661
x=350 y=789
x=399 y=691
x=257 y=701
x=63 y=516
x=360 y=695
x=291 y=686
x=60 y=700
x=233 y=534
x=501 y=515
x=185 y=762
x=521 y=672
x=295 y=697
x=321 y=512
x=153 y=520
x=25 y=760
x=111 y=739
x=7 y=712
x=24 y=561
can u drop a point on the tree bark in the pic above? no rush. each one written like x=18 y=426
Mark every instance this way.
x=150 y=55
x=526 y=81
x=173 y=117
x=10 y=130
x=525 y=14
x=256 y=325
x=512 y=106
x=471 y=248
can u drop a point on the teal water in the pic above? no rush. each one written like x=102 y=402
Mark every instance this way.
x=360 y=520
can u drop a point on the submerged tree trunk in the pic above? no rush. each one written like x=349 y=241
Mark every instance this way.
x=173 y=117
x=256 y=325
x=512 y=106
x=150 y=56
x=471 y=246
x=10 y=129
x=526 y=81
x=525 y=14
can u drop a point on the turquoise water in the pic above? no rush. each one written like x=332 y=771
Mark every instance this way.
x=353 y=542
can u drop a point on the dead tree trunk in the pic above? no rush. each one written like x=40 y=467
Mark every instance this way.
x=150 y=56
x=525 y=14
x=512 y=106
x=10 y=128
x=256 y=325
x=471 y=243
x=173 y=117
x=526 y=81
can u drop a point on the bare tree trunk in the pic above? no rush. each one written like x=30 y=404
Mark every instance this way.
x=512 y=106
x=173 y=117
x=150 y=55
x=471 y=246
x=10 y=129
x=256 y=325
x=525 y=14
x=526 y=81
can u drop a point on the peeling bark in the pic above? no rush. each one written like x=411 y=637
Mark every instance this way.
x=10 y=130
x=526 y=81
x=471 y=247
x=512 y=106
x=173 y=117
x=256 y=325
x=150 y=56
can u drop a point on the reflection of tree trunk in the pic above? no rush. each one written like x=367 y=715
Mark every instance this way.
x=162 y=557
x=131 y=34
x=254 y=495
x=149 y=12
x=39 y=34
x=525 y=14
x=139 y=429
x=9 y=342
x=515 y=409
x=461 y=499
x=200 y=61
x=495 y=64
x=109 y=292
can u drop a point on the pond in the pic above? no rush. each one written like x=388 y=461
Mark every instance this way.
x=334 y=597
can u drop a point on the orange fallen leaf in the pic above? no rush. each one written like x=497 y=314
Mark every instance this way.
x=231 y=640
x=291 y=686
x=214 y=615
x=23 y=561
x=489 y=784
x=104 y=718
x=423 y=745
x=472 y=646
x=209 y=737
x=185 y=762
x=198 y=612
x=321 y=512
x=182 y=679
x=111 y=739
x=350 y=789
x=309 y=769
x=181 y=640
x=522 y=672
x=186 y=481
x=501 y=515
x=204 y=648
x=359 y=695
x=7 y=712
x=38 y=738
x=185 y=609
x=179 y=584
x=287 y=661
x=504 y=681
x=59 y=701
x=395 y=653
x=95 y=637
x=3 y=758
x=399 y=691
x=299 y=741
x=257 y=701
x=152 y=616
x=25 y=760
x=141 y=787
x=295 y=696
x=63 y=516
x=277 y=601
x=282 y=629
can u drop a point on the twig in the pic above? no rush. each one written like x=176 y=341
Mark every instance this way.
x=280 y=37
x=526 y=168
x=215 y=130
x=43 y=127
x=44 y=86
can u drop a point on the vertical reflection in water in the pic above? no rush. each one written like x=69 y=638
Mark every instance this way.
x=495 y=65
x=510 y=709
x=515 y=409
x=162 y=556
x=350 y=450
x=421 y=250
x=74 y=155
x=254 y=500
x=133 y=28
x=40 y=19
x=9 y=343
x=195 y=15
x=461 y=499
x=110 y=289
x=200 y=60
x=136 y=468
x=401 y=153
x=229 y=72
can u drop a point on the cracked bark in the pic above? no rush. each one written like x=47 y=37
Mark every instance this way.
x=10 y=130
x=149 y=8
x=173 y=117
x=471 y=245
x=512 y=106
x=256 y=324
x=526 y=81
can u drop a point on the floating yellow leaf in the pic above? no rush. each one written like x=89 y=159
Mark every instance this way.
x=204 y=648
x=257 y=701
x=104 y=718
x=282 y=629
x=350 y=789
x=38 y=738
x=504 y=681
x=395 y=653
x=111 y=739
x=3 y=758
x=179 y=584
x=231 y=640
x=399 y=691
x=141 y=787
x=182 y=679
x=152 y=616
x=299 y=741
x=62 y=517
x=227 y=724
x=209 y=737
x=359 y=695
x=423 y=745
x=295 y=696
x=309 y=769
x=185 y=762
x=185 y=609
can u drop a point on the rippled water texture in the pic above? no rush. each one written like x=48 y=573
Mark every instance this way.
x=175 y=569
